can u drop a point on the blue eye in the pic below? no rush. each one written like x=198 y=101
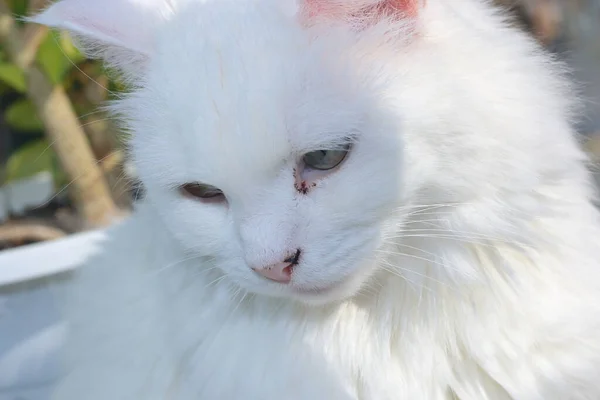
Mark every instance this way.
x=325 y=159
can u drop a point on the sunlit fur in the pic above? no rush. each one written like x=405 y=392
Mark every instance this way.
x=453 y=255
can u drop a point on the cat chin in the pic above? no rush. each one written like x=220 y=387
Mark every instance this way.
x=317 y=295
x=323 y=296
x=332 y=293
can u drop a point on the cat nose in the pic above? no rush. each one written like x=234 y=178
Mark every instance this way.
x=280 y=272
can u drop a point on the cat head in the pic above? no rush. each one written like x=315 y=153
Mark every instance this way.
x=286 y=140
x=257 y=139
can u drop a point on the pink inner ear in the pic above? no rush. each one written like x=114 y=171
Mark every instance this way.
x=339 y=9
x=324 y=8
x=406 y=8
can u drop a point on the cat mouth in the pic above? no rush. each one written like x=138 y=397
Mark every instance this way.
x=317 y=291
x=320 y=291
x=345 y=286
x=320 y=295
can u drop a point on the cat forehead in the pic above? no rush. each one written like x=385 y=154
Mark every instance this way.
x=241 y=93
x=218 y=51
x=229 y=24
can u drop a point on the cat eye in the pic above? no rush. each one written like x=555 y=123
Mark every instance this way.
x=200 y=191
x=324 y=160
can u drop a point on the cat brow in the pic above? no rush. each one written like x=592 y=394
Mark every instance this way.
x=336 y=143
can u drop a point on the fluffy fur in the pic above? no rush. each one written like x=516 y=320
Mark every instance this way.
x=453 y=255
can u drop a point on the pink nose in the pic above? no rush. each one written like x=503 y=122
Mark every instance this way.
x=280 y=272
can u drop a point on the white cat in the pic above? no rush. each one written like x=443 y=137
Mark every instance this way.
x=351 y=199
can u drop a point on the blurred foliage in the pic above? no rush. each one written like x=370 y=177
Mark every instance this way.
x=26 y=150
x=21 y=116
x=12 y=76
x=32 y=158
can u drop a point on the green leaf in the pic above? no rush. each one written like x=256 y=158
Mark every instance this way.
x=18 y=7
x=13 y=77
x=30 y=159
x=21 y=115
x=69 y=49
x=57 y=56
x=4 y=89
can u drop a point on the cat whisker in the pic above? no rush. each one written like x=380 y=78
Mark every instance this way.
x=432 y=222
x=82 y=116
x=440 y=236
x=173 y=264
x=82 y=71
x=215 y=281
x=96 y=121
x=122 y=177
x=239 y=303
x=417 y=249
x=414 y=285
x=432 y=205
x=457 y=235
x=436 y=209
x=419 y=274
x=418 y=209
x=444 y=225
x=237 y=291
x=65 y=187
x=394 y=270
x=429 y=260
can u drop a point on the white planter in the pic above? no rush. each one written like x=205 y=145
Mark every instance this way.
x=31 y=332
x=16 y=197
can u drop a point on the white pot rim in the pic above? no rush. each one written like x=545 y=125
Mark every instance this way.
x=45 y=259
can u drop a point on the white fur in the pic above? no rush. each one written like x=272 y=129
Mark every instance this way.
x=457 y=245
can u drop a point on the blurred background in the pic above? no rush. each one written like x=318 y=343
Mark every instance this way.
x=62 y=166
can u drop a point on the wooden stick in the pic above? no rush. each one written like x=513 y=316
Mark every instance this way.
x=23 y=232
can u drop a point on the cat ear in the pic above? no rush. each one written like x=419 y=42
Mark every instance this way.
x=127 y=24
x=370 y=10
